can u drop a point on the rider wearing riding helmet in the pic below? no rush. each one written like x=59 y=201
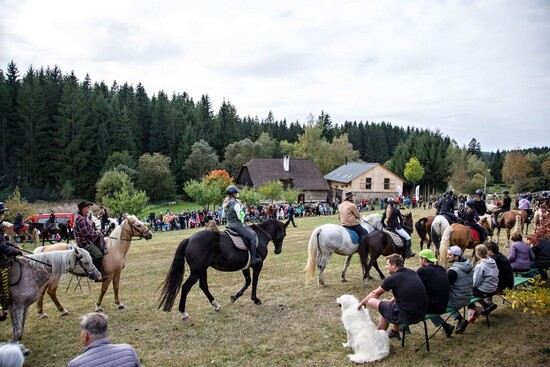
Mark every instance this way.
x=349 y=215
x=7 y=250
x=234 y=213
x=395 y=222
x=447 y=207
x=480 y=206
x=471 y=217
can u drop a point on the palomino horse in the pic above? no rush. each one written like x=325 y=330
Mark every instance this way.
x=378 y=243
x=459 y=235
x=30 y=273
x=27 y=231
x=332 y=238
x=118 y=244
x=51 y=287
x=423 y=227
x=214 y=249
x=508 y=220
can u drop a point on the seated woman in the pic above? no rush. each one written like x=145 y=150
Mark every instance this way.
x=485 y=282
x=520 y=256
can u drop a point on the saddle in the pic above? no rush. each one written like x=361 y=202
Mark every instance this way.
x=474 y=234
x=396 y=238
x=237 y=239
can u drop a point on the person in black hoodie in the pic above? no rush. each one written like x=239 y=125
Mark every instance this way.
x=505 y=272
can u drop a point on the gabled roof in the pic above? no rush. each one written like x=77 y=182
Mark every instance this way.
x=349 y=171
x=304 y=174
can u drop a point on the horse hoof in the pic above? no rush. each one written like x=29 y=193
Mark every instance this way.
x=216 y=305
x=26 y=352
x=257 y=302
x=370 y=277
x=233 y=299
x=43 y=316
x=65 y=313
x=343 y=280
x=184 y=316
x=121 y=306
x=99 y=308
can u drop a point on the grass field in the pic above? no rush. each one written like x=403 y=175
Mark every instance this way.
x=297 y=324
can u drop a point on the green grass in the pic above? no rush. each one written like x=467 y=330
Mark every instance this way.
x=297 y=324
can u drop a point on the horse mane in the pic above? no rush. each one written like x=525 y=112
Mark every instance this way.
x=114 y=237
x=60 y=262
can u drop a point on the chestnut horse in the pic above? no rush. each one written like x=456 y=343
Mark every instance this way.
x=508 y=220
x=459 y=235
x=23 y=233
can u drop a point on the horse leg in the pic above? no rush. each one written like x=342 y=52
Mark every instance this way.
x=255 y=277
x=116 y=284
x=40 y=304
x=203 y=285
x=375 y=264
x=185 y=289
x=17 y=314
x=321 y=264
x=52 y=292
x=247 y=281
x=104 y=287
x=346 y=265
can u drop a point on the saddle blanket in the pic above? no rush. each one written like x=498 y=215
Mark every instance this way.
x=474 y=234
x=237 y=240
x=353 y=235
x=397 y=240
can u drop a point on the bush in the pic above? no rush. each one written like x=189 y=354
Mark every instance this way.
x=535 y=299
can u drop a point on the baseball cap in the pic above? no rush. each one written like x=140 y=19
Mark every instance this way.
x=428 y=255
x=455 y=250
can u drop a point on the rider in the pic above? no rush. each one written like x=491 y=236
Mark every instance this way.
x=471 y=216
x=525 y=204
x=234 y=213
x=7 y=250
x=104 y=216
x=506 y=203
x=447 y=207
x=87 y=237
x=50 y=223
x=349 y=215
x=18 y=222
x=395 y=222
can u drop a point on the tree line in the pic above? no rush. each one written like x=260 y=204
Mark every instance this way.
x=60 y=135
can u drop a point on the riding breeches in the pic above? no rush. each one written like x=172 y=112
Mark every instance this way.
x=403 y=234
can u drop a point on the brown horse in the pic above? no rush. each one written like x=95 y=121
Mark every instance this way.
x=508 y=220
x=423 y=227
x=459 y=235
x=27 y=232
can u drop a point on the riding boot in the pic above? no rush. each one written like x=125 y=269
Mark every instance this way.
x=255 y=259
x=98 y=263
x=409 y=252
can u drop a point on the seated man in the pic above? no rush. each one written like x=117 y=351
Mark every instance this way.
x=436 y=283
x=505 y=273
x=409 y=302
x=349 y=216
x=505 y=207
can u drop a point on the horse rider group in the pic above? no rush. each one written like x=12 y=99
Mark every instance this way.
x=350 y=218
x=7 y=251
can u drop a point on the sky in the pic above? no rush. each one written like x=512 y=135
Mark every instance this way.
x=471 y=69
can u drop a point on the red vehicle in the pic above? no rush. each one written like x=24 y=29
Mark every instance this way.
x=38 y=220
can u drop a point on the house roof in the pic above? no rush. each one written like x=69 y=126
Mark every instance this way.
x=349 y=171
x=304 y=174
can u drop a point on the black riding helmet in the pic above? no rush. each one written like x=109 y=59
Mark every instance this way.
x=231 y=190
x=479 y=193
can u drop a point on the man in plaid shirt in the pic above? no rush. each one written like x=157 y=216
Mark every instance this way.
x=87 y=237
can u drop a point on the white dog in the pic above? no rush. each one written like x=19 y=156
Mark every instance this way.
x=368 y=343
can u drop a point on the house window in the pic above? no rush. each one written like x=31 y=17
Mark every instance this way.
x=386 y=184
x=368 y=183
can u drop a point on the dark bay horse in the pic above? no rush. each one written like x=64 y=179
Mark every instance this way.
x=215 y=249
x=423 y=227
x=27 y=277
x=380 y=243
x=60 y=231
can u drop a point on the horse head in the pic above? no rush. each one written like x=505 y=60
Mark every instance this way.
x=83 y=264
x=138 y=228
x=408 y=223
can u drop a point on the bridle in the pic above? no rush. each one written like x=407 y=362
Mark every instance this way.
x=131 y=230
x=275 y=240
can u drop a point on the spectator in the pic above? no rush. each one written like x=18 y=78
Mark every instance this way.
x=542 y=256
x=100 y=351
x=436 y=282
x=290 y=212
x=505 y=272
x=11 y=355
x=409 y=302
x=520 y=256
x=485 y=283
x=460 y=276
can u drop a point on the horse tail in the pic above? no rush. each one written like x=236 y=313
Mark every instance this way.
x=445 y=244
x=313 y=249
x=434 y=233
x=518 y=225
x=174 y=278
x=420 y=227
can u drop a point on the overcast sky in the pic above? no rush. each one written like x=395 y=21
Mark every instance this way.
x=472 y=69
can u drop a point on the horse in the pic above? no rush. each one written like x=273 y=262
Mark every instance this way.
x=51 y=288
x=23 y=233
x=379 y=243
x=117 y=244
x=459 y=235
x=332 y=238
x=30 y=273
x=60 y=231
x=214 y=249
x=423 y=227
x=439 y=224
x=508 y=220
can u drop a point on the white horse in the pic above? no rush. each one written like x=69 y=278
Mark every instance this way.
x=332 y=238
x=439 y=225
